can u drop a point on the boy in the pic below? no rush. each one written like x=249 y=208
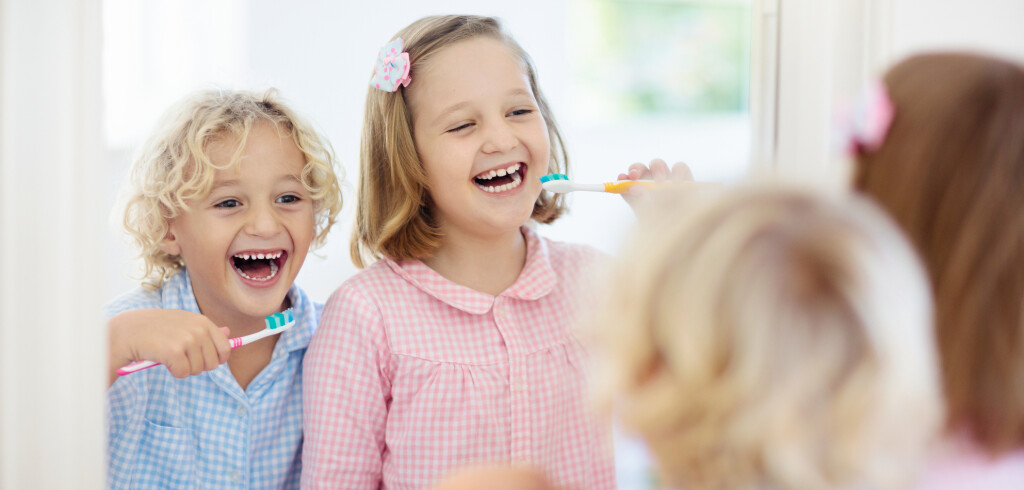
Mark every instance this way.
x=228 y=197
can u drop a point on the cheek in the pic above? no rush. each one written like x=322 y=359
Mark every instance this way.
x=309 y=227
x=540 y=142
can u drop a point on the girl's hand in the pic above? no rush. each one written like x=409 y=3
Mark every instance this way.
x=187 y=343
x=658 y=171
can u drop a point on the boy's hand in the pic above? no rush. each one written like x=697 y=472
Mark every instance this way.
x=187 y=343
x=658 y=171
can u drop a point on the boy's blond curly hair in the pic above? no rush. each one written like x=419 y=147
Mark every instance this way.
x=173 y=167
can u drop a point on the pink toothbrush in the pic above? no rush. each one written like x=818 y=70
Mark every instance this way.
x=276 y=323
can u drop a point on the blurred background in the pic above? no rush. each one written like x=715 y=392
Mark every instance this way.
x=628 y=81
x=731 y=87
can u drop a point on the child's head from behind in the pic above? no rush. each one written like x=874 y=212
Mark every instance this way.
x=461 y=148
x=229 y=176
x=949 y=172
x=771 y=339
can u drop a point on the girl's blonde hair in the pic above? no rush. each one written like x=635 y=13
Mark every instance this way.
x=950 y=173
x=771 y=339
x=173 y=167
x=393 y=216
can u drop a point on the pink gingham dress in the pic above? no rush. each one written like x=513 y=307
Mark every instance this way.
x=411 y=376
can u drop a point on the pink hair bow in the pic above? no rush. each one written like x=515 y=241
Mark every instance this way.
x=392 y=68
x=864 y=127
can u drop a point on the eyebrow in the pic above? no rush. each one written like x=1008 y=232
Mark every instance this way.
x=518 y=92
x=223 y=183
x=234 y=182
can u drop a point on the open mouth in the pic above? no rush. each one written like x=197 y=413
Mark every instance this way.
x=258 y=266
x=502 y=179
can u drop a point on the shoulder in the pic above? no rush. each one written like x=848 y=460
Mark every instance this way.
x=369 y=284
x=963 y=464
x=361 y=296
x=137 y=299
x=568 y=255
x=307 y=312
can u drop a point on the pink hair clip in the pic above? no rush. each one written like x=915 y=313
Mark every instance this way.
x=864 y=127
x=392 y=68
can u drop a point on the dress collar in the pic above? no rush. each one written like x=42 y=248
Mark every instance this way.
x=535 y=281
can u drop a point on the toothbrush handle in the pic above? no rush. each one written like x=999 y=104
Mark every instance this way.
x=235 y=343
x=624 y=185
x=248 y=339
x=136 y=367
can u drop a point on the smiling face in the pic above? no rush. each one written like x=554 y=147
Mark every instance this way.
x=243 y=244
x=481 y=137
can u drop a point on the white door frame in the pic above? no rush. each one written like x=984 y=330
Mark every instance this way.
x=52 y=338
x=808 y=55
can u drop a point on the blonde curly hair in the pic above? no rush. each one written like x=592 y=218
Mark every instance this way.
x=772 y=339
x=173 y=167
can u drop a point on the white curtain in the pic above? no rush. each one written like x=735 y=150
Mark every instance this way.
x=52 y=340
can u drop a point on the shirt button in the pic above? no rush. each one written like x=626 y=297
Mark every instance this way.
x=240 y=411
x=236 y=477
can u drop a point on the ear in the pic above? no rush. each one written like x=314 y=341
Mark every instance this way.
x=170 y=244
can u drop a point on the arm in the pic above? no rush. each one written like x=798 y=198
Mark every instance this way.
x=186 y=343
x=345 y=391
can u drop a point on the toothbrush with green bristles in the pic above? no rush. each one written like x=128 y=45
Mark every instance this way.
x=276 y=323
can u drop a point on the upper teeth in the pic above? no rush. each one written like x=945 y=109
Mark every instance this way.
x=516 y=180
x=501 y=172
x=246 y=256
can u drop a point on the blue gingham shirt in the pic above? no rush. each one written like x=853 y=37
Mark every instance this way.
x=204 y=431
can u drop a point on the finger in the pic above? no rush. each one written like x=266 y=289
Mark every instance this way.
x=196 y=361
x=220 y=341
x=636 y=192
x=681 y=172
x=623 y=177
x=659 y=169
x=637 y=171
x=178 y=364
x=211 y=358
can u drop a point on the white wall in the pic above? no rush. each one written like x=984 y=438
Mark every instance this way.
x=991 y=26
x=52 y=339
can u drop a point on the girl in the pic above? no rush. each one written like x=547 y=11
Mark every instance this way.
x=454 y=348
x=229 y=195
x=949 y=170
x=751 y=340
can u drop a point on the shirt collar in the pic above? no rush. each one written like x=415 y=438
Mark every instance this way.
x=177 y=294
x=535 y=281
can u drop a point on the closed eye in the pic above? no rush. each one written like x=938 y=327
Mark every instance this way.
x=459 y=128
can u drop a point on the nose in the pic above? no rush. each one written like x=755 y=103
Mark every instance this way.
x=262 y=221
x=499 y=137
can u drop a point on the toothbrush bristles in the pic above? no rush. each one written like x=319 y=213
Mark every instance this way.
x=279 y=319
x=550 y=177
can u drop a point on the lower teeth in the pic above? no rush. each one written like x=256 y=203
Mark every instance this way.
x=273 y=272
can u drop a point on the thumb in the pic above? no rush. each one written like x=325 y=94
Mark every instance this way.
x=224 y=351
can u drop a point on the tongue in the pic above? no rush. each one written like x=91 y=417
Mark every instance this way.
x=256 y=269
x=505 y=179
